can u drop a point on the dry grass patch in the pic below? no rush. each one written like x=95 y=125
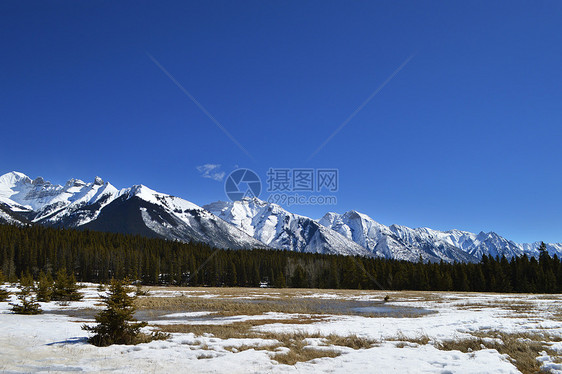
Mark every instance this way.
x=232 y=307
x=302 y=355
x=516 y=306
x=258 y=293
x=421 y=339
x=351 y=341
x=522 y=348
x=556 y=315
x=284 y=293
x=295 y=342
x=236 y=330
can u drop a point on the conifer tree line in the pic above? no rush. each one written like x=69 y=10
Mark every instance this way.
x=99 y=257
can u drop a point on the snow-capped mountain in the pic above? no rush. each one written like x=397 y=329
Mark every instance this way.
x=396 y=242
x=404 y=243
x=278 y=228
x=248 y=223
x=100 y=206
x=532 y=249
x=40 y=201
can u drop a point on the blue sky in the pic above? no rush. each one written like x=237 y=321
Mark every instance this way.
x=466 y=135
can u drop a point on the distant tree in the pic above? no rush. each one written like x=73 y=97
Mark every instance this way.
x=27 y=302
x=99 y=257
x=299 y=278
x=334 y=277
x=140 y=291
x=232 y=277
x=116 y=323
x=280 y=280
x=543 y=251
x=4 y=294
x=44 y=287
x=65 y=287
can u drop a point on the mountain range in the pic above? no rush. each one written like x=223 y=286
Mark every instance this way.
x=245 y=224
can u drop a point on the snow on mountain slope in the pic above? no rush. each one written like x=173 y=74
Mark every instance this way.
x=7 y=216
x=250 y=223
x=281 y=229
x=15 y=186
x=99 y=205
x=494 y=245
x=401 y=242
x=136 y=211
x=532 y=249
x=175 y=218
x=82 y=203
x=395 y=242
x=44 y=202
x=369 y=234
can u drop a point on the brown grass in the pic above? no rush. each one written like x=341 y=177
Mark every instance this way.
x=523 y=348
x=233 y=307
x=299 y=354
x=421 y=339
x=519 y=306
x=230 y=307
x=351 y=341
x=243 y=329
x=299 y=351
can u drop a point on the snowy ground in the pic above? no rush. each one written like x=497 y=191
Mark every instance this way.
x=405 y=343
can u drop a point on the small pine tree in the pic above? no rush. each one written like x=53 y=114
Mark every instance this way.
x=116 y=323
x=28 y=303
x=65 y=287
x=4 y=294
x=44 y=288
x=140 y=292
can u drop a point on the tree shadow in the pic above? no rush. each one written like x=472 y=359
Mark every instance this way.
x=75 y=340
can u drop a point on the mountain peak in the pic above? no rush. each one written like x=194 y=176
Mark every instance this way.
x=73 y=183
x=39 y=181
x=13 y=177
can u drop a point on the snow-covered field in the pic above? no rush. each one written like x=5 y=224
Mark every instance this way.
x=401 y=341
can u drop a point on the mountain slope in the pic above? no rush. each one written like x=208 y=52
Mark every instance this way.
x=249 y=223
x=278 y=228
x=100 y=206
x=140 y=210
x=7 y=216
x=404 y=243
x=532 y=249
x=394 y=242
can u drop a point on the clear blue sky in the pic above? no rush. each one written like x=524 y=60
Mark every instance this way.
x=467 y=135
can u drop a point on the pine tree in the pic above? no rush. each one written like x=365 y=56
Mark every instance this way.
x=44 y=288
x=65 y=287
x=232 y=278
x=280 y=280
x=116 y=323
x=4 y=294
x=543 y=252
x=299 y=278
x=28 y=303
